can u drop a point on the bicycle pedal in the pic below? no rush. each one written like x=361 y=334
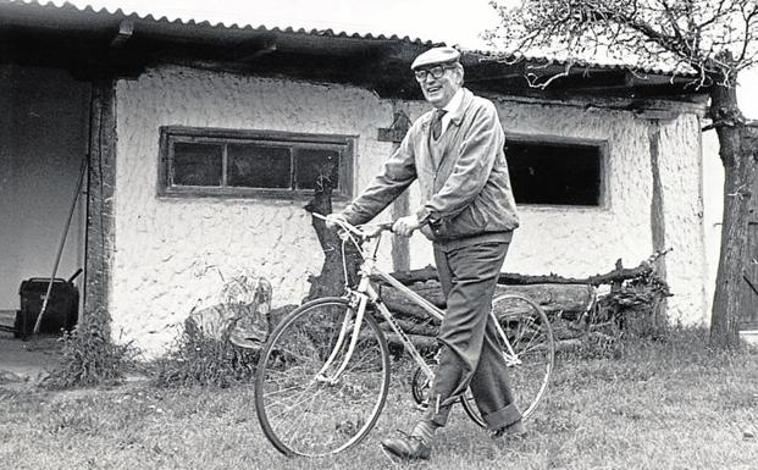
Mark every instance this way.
x=421 y=406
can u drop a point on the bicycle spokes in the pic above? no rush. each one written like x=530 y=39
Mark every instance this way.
x=321 y=386
x=528 y=351
x=527 y=330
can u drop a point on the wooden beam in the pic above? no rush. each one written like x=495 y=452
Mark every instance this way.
x=101 y=184
x=259 y=49
x=476 y=73
x=657 y=212
x=125 y=32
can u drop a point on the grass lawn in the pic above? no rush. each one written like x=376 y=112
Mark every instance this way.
x=657 y=406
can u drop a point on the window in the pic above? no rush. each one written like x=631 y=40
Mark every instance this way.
x=556 y=173
x=233 y=163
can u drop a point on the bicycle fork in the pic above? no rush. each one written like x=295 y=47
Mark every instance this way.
x=344 y=329
x=365 y=293
x=511 y=358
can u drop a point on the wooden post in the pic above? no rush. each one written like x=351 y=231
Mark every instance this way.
x=101 y=184
x=400 y=208
x=657 y=217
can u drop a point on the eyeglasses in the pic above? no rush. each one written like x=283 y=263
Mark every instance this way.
x=436 y=71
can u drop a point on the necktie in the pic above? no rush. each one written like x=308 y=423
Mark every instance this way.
x=437 y=123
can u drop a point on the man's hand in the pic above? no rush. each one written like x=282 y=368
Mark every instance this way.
x=334 y=220
x=404 y=226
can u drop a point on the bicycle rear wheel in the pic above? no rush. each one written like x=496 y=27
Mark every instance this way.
x=528 y=331
x=305 y=410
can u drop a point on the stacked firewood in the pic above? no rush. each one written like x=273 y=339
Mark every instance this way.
x=578 y=309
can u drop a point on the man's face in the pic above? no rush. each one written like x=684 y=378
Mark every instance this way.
x=439 y=83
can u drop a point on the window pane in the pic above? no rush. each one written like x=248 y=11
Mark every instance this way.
x=561 y=174
x=197 y=164
x=314 y=162
x=258 y=166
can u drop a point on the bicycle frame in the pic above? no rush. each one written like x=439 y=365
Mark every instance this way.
x=365 y=293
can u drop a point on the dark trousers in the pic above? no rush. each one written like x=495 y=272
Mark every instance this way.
x=470 y=355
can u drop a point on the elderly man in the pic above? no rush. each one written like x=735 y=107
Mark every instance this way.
x=468 y=211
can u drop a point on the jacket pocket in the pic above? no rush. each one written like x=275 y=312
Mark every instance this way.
x=471 y=221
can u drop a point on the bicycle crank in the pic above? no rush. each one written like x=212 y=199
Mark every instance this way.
x=421 y=387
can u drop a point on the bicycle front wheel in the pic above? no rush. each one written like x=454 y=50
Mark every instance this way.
x=531 y=355
x=312 y=397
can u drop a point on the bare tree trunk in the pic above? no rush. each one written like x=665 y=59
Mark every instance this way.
x=739 y=164
x=331 y=280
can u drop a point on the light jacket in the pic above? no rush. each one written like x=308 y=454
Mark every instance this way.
x=465 y=187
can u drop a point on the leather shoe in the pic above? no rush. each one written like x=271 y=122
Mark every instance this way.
x=407 y=447
x=512 y=431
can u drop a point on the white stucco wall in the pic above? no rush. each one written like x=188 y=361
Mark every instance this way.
x=171 y=253
x=583 y=241
x=681 y=172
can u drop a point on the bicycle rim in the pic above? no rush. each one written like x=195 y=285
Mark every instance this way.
x=302 y=415
x=528 y=330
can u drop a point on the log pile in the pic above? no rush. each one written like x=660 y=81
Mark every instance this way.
x=576 y=311
x=619 y=274
x=569 y=300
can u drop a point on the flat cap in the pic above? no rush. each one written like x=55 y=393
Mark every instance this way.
x=437 y=55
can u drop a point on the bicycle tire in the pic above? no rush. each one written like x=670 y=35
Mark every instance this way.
x=302 y=416
x=530 y=378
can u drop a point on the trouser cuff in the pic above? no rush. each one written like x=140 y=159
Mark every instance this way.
x=502 y=417
x=437 y=414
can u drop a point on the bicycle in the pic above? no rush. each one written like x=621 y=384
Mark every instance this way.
x=323 y=375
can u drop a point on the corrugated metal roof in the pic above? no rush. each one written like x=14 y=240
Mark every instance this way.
x=121 y=13
x=534 y=60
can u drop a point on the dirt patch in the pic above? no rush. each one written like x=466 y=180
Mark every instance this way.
x=27 y=361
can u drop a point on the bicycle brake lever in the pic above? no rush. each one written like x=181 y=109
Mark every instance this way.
x=372 y=231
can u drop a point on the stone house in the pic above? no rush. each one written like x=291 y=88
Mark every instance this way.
x=202 y=142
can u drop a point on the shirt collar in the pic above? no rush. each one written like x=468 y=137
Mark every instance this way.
x=455 y=101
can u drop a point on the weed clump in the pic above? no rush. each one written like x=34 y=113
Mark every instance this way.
x=90 y=357
x=197 y=359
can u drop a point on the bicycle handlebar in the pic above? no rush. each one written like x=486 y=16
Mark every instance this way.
x=360 y=230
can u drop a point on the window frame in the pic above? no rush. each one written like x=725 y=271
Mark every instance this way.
x=603 y=146
x=292 y=140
